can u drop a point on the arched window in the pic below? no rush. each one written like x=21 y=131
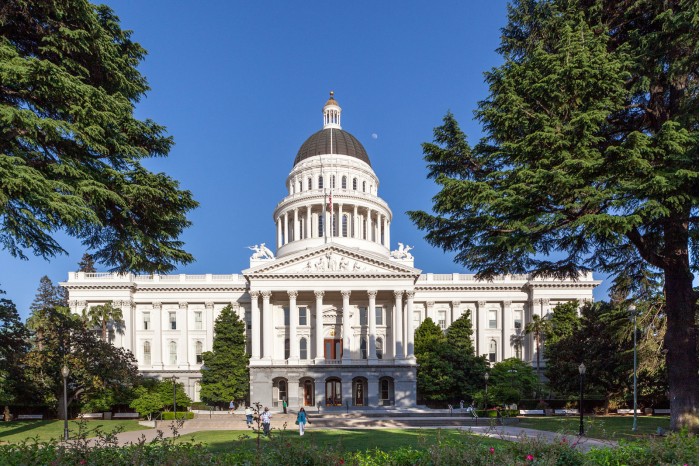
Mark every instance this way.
x=332 y=181
x=173 y=352
x=492 y=351
x=345 y=226
x=320 y=182
x=344 y=182
x=303 y=352
x=309 y=184
x=363 y=348
x=279 y=392
x=354 y=184
x=286 y=348
x=147 y=353
x=380 y=348
x=198 y=352
x=384 y=390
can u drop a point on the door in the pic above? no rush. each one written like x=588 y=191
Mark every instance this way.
x=332 y=348
x=308 y=393
x=359 y=394
x=334 y=395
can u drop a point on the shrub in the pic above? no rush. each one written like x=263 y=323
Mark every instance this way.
x=169 y=416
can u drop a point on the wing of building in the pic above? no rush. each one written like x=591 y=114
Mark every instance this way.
x=331 y=315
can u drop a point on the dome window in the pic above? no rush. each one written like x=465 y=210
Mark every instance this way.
x=354 y=184
x=309 y=184
x=344 y=182
x=364 y=186
x=333 y=182
x=320 y=182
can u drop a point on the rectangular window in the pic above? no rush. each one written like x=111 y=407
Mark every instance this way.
x=442 y=319
x=286 y=316
x=147 y=353
x=173 y=320
x=198 y=320
x=303 y=313
x=493 y=323
x=146 y=320
x=198 y=346
x=416 y=319
x=518 y=319
x=379 y=315
x=320 y=226
x=173 y=352
x=363 y=316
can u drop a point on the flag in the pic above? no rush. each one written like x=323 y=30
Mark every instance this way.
x=330 y=202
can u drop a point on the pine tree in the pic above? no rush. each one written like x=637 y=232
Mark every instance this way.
x=459 y=334
x=87 y=264
x=225 y=369
x=49 y=298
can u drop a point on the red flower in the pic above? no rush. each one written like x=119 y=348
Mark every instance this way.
x=83 y=462
x=530 y=458
x=492 y=450
x=342 y=461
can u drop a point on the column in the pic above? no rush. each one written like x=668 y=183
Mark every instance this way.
x=308 y=232
x=368 y=222
x=387 y=236
x=267 y=331
x=429 y=311
x=340 y=219
x=372 y=318
x=409 y=324
x=478 y=326
x=355 y=223
x=296 y=228
x=328 y=231
x=398 y=324
x=455 y=311
x=254 y=325
x=157 y=343
x=279 y=232
x=293 y=320
x=286 y=228
x=183 y=343
x=319 y=325
x=346 y=325
x=209 y=328
x=506 y=317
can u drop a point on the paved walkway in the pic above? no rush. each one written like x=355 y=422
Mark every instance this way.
x=511 y=433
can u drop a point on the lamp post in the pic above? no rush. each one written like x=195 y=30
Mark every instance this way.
x=65 y=372
x=633 y=318
x=486 y=378
x=582 y=372
x=174 y=397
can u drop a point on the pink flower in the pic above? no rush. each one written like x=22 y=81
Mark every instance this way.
x=83 y=462
x=530 y=458
x=492 y=450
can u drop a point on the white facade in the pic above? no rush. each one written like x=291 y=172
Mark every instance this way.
x=331 y=315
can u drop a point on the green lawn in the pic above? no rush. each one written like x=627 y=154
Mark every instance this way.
x=349 y=440
x=600 y=427
x=16 y=431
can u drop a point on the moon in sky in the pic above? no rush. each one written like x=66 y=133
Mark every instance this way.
x=374 y=136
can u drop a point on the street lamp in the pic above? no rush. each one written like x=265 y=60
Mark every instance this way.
x=65 y=372
x=582 y=372
x=174 y=397
x=486 y=377
x=633 y=318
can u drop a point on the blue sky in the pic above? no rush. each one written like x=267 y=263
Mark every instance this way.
x=240 y=86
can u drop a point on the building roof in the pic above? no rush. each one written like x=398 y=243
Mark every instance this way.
x=344 y=143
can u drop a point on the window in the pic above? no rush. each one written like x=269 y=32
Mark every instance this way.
x=334 y=392
x=493 y=323
x=334 y=225
x=301 y=186
x=332 y=181
x=364 y=186
x=282 y=390
x=416 y=319
x=363 y=316
x=442 y=319
x=198 y=320
x=173 y=320
x=320 y=226
x=309 y=184
x=345 y=226
x=286 y=348
x=146 y=320
x=518 y=319
x=198 y=352
x=303 y=349
x=344 y=182
x=380 y=348
x=147 y=353
x=303 y=313
x=492 y=351
x=384 y=389
x=173 y=352
x=320 y=182
x=379 y=315
x=363 y=348
x=286 y=315
x=354 y=184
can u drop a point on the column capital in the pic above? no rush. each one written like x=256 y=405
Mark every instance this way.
x=456 y=304
x=182 y=304
x=429 y=304
x=157 y=305
x=209 y=304
x=345 y=293
x=235 y=306
x=372 y=293
x=410 y=294
x=292 y=293
x=266 y=294
x=481 y=303
x=319 y=294
x=398 y=293
x=507 y=303
x=254 y=293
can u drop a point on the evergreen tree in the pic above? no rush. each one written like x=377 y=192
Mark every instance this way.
x=468 y=369
x=512 y=380
x=225 y=369
x=87 y=264
x=459 y=334
x=590 y=151
x=71 y=151
x=49 y=298
x=13 y=347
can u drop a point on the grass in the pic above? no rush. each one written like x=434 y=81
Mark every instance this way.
x=17 y=431
x=599 y=427
x=347 y=439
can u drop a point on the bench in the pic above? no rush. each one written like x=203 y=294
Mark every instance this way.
x=25 y=417
x=126 y=416
x=566 y=412
x=627 y=411
x=532 y=412
x=90 y=416
x=662 y=411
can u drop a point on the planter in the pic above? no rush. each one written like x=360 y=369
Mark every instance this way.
x=107 y=416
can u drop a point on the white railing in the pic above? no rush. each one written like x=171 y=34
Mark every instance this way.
x=148 y=278
x=470 y=277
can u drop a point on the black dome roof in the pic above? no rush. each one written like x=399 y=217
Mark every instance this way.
x=344 y=143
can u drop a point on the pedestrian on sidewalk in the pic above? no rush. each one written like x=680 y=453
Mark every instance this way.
x=231 y=407
x=284 y=405
x=266 y=418
x=248 y=416
x=301 y=420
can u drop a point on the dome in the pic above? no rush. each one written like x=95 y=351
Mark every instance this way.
x=344 y=143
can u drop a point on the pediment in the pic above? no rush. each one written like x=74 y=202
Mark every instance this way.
x=332 y=260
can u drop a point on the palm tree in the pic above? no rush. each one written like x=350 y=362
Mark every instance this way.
x=101 y=315
x=537 y=327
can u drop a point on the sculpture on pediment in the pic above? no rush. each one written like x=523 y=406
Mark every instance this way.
x=344 y=263
x=332 y=264
x=357 y=267
x=402 y=252
x=261 y=252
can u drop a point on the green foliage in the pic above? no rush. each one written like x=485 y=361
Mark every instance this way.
x=146 y=402
x=537 y=327
x=170 y=416
x=70 y=158
x=154 y=395
x=87 y=264
x=225 y=370
x=561 y=323
x=589 y=160
x=511 y=380
x=104 y=314
x=13 y=346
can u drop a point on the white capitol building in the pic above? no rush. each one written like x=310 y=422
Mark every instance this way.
x=331 y=315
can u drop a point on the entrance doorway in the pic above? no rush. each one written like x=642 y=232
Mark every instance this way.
x=359 y=394
x=334 y=394
x=332 y=348
x=308 y=393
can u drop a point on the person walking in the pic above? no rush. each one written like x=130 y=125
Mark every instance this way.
x=284 y=406
x=231 y=407
x=301 y=420
x=248 y=416
x=266 y=418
